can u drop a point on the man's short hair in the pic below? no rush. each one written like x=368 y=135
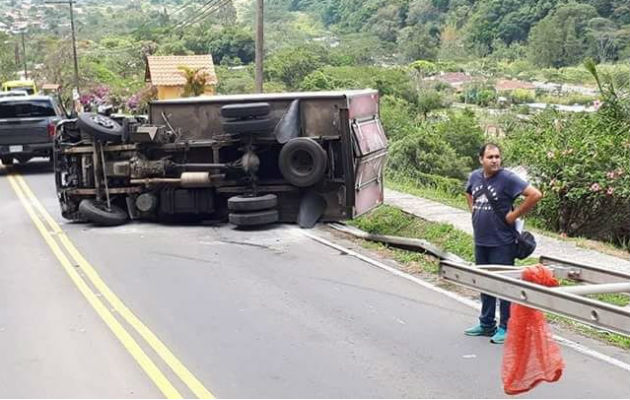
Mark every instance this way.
x=482 y=149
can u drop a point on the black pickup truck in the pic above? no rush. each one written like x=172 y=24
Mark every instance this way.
x=27 y=127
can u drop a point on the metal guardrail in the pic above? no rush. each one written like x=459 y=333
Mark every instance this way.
x=504 y=281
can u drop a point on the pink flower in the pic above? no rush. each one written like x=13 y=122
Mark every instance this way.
x=595 y=187
x=611 y=174
x=563 y=234
x=610 y=191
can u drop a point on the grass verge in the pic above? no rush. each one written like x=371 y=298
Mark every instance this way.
x=387 y=220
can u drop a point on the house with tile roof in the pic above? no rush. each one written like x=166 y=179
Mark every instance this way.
x=506 y=85
x=165 y=74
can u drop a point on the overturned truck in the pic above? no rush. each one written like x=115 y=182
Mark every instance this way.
x=249 y=159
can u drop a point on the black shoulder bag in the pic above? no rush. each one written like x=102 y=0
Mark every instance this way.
x=525 y=241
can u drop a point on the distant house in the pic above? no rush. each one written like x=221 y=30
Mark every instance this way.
x=505 y=85
x=455 y=79
x=50 y=88
x=164 y=73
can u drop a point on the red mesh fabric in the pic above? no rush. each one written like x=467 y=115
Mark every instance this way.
x=530 y=355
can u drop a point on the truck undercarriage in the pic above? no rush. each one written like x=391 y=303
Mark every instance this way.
x=251 y=160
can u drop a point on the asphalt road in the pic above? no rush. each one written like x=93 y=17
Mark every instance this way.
x=149 y=310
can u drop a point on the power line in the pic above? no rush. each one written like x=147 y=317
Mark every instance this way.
x=195 y=17
x=217 y=7
x=182 y=8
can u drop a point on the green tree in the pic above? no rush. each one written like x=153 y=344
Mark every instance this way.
x=416 y=43
x=546 y=44
x=291 y=65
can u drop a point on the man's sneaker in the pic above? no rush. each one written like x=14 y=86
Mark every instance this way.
x=499 y=337
x=480 y=331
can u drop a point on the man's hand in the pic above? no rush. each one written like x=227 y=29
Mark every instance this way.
x=532 y=196
x=511 y=217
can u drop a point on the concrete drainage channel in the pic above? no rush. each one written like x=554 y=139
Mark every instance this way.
x=569 y=303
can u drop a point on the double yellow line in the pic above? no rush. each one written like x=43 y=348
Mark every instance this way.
x=50 y=231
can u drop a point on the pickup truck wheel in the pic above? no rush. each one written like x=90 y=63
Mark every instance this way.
x=252 y=203
x=263 y=125
x=7 y=160
x=100 y=127
x=99 y=214
x=245 y=110
x=302 y=162
x=254 y=218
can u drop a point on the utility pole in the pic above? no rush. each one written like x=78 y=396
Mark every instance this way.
x=259 y=45
x=24 y=56
x=75 y=91
x=74 y=39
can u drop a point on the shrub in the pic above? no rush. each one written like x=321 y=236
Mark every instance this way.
x=429 y=100
x=580 y=162
x=424 y=151
x=398 y=117
x=388 y=81
x=462 y=132
x=520 y=96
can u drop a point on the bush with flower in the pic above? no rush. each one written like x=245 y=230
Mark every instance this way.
x=582 y=164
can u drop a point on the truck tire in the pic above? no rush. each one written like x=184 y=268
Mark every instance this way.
x=263 y=125
x=7 y=160
x=252 y=203
x=245 y=110
x=99 y=214
x=302 y=162
x=100 y=127
x=254 y=218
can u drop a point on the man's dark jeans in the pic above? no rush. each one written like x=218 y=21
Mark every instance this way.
x=502 y=255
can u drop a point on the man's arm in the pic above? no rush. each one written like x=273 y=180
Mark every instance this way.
x=470 y=201
x=532 y=196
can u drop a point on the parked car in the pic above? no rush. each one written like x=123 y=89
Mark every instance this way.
x=249 y=159
x=27 y=127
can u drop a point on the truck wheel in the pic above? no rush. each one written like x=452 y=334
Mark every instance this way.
x=252 y=203
x=254 y=218
x=302 y=162
x=245 y=110
x=7 y=160
x=100 y=127
x=100 y=215
x=263 y=125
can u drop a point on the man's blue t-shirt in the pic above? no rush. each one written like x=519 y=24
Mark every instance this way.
x=505 y=186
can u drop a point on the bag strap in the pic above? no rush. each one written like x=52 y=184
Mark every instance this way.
x=495 y=206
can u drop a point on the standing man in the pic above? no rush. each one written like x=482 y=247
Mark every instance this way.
x=495 y=239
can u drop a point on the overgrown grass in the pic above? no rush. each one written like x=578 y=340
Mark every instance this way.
x=387 y=220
